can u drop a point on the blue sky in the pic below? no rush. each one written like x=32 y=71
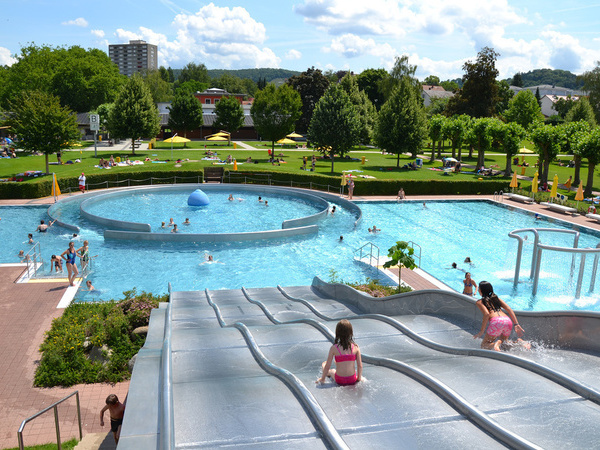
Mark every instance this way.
x=437 y=35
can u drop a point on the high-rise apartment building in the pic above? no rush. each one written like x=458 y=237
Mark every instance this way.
x=137 y=56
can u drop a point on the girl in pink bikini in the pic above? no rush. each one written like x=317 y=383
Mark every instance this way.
x=498 y=317
x=346 y=353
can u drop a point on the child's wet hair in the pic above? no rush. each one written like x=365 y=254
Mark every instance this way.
x=344 y=334
x=112 y=399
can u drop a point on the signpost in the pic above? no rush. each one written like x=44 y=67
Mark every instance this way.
x=95 y=127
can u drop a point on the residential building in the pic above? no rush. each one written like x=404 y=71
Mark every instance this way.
x=547 y=103
x=137 y=56
x=430 y=92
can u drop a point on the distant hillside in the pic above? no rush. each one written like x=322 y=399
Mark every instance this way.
x=553 y=77
x=255 y=74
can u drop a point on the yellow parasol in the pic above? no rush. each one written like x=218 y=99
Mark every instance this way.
x=220 y=134
x=534 y=184
x=554 y=187
x=285 y=141
x=217 y=138
x=525 y=150
x=344 y=181
x=514 y=183
x=177 y=140
x=294 y=135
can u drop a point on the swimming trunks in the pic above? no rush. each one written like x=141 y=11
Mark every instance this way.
x=500 y=325
x=115 y=424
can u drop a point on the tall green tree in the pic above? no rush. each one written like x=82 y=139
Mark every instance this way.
x=193 y=72
x=41 y=123
x=160 y=89
x=402 y=70
x=454 y=129
x=230 y=115
x=134 y=113
x=334 y=127
x=572 y=132
x=311 y=85
x=524 y=110
x=479 y=93
x=510 y=136
x=436 y=123
x=581 y=110
x=590 y=149
x=482 y=134
x=364 y=108
x=402 y=123
x=275 y=112
x=185 y=113
x=370 y=81
x=517 y=80
x=548 y=140
x=591 y=84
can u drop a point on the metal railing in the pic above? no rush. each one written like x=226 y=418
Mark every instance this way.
x=33 y=259
x=167 y=437
x=369 y=250
x=56 y=423
x=269 y=180
x=416 y=247
x=498 y=196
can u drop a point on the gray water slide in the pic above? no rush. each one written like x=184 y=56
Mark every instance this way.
x=238 y=368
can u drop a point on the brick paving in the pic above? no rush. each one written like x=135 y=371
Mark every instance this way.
x=26 y=313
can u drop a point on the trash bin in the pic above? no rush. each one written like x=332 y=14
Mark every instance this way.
x=118 y=159
x=523 y=170
x=419 y=162
x=234 y=145
x=362 y=160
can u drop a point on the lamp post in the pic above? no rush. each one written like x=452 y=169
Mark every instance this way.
x=172 y=145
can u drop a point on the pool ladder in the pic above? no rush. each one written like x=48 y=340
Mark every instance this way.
x=371 y=251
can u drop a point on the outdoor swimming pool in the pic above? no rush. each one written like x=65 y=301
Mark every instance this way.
x=447 y=232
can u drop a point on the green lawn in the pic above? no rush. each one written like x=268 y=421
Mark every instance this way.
x=376 y=165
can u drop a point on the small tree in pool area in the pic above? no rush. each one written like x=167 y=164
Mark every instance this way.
x=401 y=256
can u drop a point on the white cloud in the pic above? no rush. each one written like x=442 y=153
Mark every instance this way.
x=216 y=36
x=351 y=46
x=79 y=22
x=6 y=58
x=98 y=33
x=293 y=54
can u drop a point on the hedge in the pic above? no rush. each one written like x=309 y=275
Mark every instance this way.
x=42 y=187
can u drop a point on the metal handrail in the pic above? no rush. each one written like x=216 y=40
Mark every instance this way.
x=370 y=253
x=56 y=424
x=167 y=437
x=413 y=245
x=33 y=259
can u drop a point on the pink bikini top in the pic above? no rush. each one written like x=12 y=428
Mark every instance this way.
x=341 y=358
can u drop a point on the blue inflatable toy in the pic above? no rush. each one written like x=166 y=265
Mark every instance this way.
x=198 y=198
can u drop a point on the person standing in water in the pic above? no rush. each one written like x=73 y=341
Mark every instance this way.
x=69 y=256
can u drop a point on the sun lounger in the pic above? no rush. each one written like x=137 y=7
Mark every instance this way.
x=595 y=217
x=559 y=208
x=519 y=198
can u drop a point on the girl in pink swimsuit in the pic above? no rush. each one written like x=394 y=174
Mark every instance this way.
x=346 y=353
x=498 y=317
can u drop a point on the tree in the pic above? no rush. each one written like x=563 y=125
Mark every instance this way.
x=432 y=80
x=505 y=94
x=517 y=80
x=591 y=84
x=402 y=124
x=160 y=90
x=82 y=79
x=454 y=129
x=450 y=85
x=165 y=74
x=401 y=256
x=370 y=81
x=479 y=93
x=230 y=115
x=185 y=113
x=524 y=109
x=134 y=113
x=436 y=124
x=364 y=108
x=41 y=123
x=572 y=132
x=482 y=136
x=563 y=105
x=334 y=127
x=548 y=140
x=590 y=148
x=581 y=110
x=275 y=111
x=191 y=87
x=538 y=96
x=402 y=69
x=510 y=136
x=311 y=85
x=193 y=72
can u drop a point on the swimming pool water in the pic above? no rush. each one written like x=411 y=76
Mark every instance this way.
x=447 y=232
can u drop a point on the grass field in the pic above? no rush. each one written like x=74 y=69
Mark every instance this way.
x=376 y=165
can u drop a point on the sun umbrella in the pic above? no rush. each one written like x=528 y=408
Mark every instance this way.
x=451 y=159
x=579 y=194
x=176 y=140
x=554 y=187
x=220 y=134
x=534 y=184
x=217 y=138
x=285 y=141
x=294 y=135
x=525 y=150
x=514 y=183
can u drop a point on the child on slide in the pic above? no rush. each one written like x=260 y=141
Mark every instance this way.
x=346 y=354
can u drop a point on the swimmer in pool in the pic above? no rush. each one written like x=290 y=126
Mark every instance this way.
x=469 y=285
x=346 y=354
x=260 y=200
x=56 y=263
x=43 y=227
x=266 y=203
x=171 y=223
x=230 y=198
x=89 y=285
x=187 y=221
x=174 y=230
x=333 y=210
x=30 y=236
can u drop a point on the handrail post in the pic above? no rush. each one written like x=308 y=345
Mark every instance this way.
x=57 y=427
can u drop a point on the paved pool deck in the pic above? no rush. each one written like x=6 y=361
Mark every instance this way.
x=26 y=313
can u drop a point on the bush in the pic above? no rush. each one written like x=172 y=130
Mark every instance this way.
x=64 y=359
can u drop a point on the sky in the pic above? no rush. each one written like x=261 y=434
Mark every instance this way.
x=439 y=36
